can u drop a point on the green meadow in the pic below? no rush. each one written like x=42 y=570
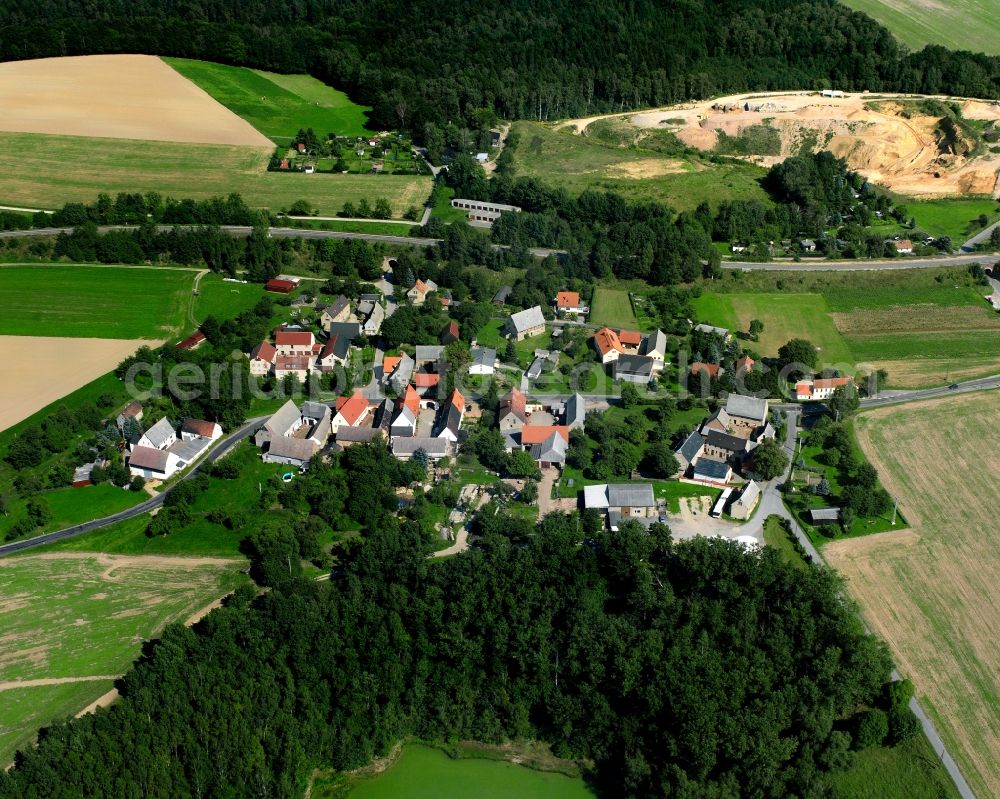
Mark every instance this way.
x=277 y=105
x=612 y=308
x=423 y=772
x=93 y=301
x=224 y=300
x=953 y=217
x=587 y=162
x=955 y=24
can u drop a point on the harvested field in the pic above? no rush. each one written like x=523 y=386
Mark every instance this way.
x=40 y=370
x=52 y=170
x=933 y=319
x=882 y=136
x=115 y=96
x=932 y=592
x=80 y=620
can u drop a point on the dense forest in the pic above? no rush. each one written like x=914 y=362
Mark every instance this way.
x=690 y=669
x=431 y=61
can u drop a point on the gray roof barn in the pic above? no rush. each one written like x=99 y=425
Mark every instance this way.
x=484 y=357
x=434 y=447
x=149 y=458
x=283 y=419
x=747 y=407
x=293 y=449
x=711 y=470
x=634 y=365
x=655 y=342
x=691 y=446
x=527 y=319
x=632 y=495
x=338 y=306
x=718 y=331
x=575 y=411
x=726 y=441
x=552 y=450
x=501 y=296
x=429 y=352
x=824 y=515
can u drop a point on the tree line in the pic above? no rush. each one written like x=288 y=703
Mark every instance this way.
x=524 y=59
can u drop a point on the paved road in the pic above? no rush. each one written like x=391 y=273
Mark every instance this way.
x=276 y=232
x=981 y=237
x=224 y=446
x=965 y=387
x=875 y=265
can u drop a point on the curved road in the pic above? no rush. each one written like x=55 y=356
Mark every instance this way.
x=224 y=446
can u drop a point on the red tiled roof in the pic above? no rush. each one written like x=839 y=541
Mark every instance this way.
x=711 y=369
x=746 y=362
x=132 y=410
x=631 y=337
x=426 y=379
x=831 y=382
x=299 y=363
x=803 y=389
x=264 y=351
x=293 y=338
x=411 y=399
x=516 y=401
x=537 y=434
x=199 y=427
x=568 y=299
x=457 y=399
x=390 y=362
x=420 y=286
x=450 y=330
x=607 y=340
x=352 y=408
x=904 y=244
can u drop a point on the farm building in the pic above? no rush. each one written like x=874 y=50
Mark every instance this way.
x=744 y=505
x=527 y=323
x=483 y=212
x=278 y=286
x=192 y=341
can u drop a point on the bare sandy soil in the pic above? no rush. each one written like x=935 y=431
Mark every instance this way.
x=870 y=131
x=115 y=96
x=40 y=370
x=933 y=592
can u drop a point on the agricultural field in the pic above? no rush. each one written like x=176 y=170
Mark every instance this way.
x=612 y=308
x=956 y=24
x=52 y=170
x=579 y=163
x=115 y=96
x=93 y=301
x=276 y=105
x=931 y=591
x=925 y=327
x=73 y=622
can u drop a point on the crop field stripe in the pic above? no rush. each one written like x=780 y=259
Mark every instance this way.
x=53 y=170
x=956 y=24
x=931 y=592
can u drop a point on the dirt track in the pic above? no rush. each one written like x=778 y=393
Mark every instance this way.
x=877 y=136
x=118 y=97
x=41 y=370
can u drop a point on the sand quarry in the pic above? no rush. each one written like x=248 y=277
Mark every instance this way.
x=42 y=370
x=117 y=97
x=869 y=131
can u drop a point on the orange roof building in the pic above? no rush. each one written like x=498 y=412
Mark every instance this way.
x=567 y=299
x=411 y=399
x=538 y=433
x=630 y=338
x=353 y=409
x=609 y=346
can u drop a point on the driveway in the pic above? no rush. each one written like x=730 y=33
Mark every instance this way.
x=545 y=502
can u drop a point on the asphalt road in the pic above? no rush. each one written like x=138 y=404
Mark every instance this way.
x=875 y=265
x=898 y=397
x=224 y=446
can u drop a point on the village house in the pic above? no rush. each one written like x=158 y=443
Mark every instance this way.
x=294 y=342
x=351 y=411
x=904 y=247
x=568 y=302
x=527 y=323
x=338 y=311
x=434 y=448
x=450 y=332
x=608 y=345
x=262 y=359
x=407 y=411
x=551 y=453
x=711 y=370
x=654 y=347
x=821 y=388
x=744 y=505
x=690 y=450
x=715 y=331
x=575 y=411
x=622 y=502
x=152 y=464
x=349 y=436
x=397 y=370
x=373 y=315
x=297 y=366
x=132 y=413
x=281 y=285
x=193 y=429
x=160 y=436
x=292 y=435
x=418 y=294
x=712 y=472
x=512 y=411
x=451 y=417
x=743 y=365
x=484 y=361
x=636 y=369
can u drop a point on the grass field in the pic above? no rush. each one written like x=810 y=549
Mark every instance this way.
x=579 y=163
x=612 y=308
x=785 y=316
x=953 y=217
x=224 y=300
x=52 y=170
x=424 y=772
x=932 y=591
x=775 y=536
x=93 y=301
x=84 y=617
x=925 y=327
x=956 y=24
x=277 y=105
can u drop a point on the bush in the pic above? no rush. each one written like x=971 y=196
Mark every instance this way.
x=137 y=484
x=873 y=729
x=903 y=725
x=227 y=469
